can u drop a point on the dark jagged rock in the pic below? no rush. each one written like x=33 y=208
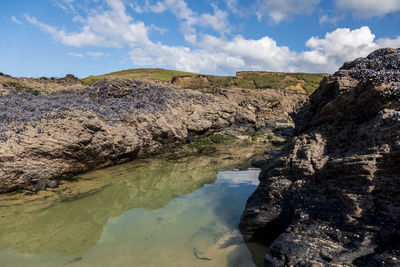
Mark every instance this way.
x=258 y=163
x=332 y=196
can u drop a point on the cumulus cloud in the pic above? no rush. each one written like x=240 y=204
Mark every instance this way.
x=279 y=10
x=218 y=55
x=15 y=20
x=369 y=8
x=337 y=47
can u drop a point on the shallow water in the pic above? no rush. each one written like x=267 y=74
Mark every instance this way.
x=152 y=212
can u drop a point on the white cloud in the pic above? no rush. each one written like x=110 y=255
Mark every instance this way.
x=180 y=9
x=279 y=10
x=325 y=19
x=218 y=55
x=210 y=42
x=387 y=42
x=369 y=8
x=341 y=45
x=218 y=21
x=158 y=29
x=117 y=27
x=83 y=38
x=78 y=19
x=138 y=8
x=188 y=18
x=184 y=58
x=66 y=5
x=75 y=55
x=158 y=7
x=232 y=5
x=110 y=28
x=15 y=20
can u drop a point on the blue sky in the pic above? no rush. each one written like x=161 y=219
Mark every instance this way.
x=84 y=37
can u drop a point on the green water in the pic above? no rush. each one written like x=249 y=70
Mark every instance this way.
x=153 y=212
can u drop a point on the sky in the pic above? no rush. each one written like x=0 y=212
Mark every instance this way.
x=90 y=37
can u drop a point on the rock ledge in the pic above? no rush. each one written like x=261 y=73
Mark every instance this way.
x=52 y=136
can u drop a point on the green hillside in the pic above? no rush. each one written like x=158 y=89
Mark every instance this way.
x=305 y=83
x=151 y=74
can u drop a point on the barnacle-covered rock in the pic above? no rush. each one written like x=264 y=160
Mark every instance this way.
x=332 y=197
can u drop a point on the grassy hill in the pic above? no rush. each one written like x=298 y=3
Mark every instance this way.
x=305 y=83
x=151 y=74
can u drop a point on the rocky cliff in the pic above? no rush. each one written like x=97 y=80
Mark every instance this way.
x=332 y=196
x=48 y=137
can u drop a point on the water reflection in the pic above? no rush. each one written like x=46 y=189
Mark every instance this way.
x=145 y=213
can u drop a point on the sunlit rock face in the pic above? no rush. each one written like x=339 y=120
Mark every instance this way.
x=53 y=136
x=333 y=192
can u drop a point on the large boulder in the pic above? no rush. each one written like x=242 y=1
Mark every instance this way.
x=332 y=196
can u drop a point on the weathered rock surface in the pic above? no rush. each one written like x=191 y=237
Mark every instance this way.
x=41 y=85
x=198 y=81
x=332 y=197
x=48 y=137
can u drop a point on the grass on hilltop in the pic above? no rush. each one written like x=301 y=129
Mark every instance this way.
x=309 y=82
x=298 y=82
x=151 y=74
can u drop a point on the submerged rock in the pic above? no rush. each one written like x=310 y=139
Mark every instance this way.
x=54 y=136
x=332 y=197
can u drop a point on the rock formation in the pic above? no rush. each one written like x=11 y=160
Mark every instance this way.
x=332 y=196
x=198 y=81
x=52 y=136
